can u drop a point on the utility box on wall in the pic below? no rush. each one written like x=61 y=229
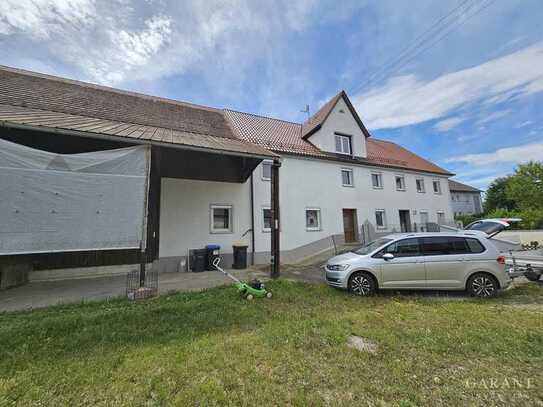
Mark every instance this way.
x=14 y=274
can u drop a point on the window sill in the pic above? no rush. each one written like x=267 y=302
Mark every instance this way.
x=377 y=187
x=265 y=179
x=313 y=229
x=348 y=185
x=421 y=192
x=266 y=230
x=401 y=190
x=221 y=232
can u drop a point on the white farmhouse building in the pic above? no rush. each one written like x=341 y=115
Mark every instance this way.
x=210 y=171
x=465 y=199
x=335 y=180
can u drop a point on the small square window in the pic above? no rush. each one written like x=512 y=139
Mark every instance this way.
x=266 y=219
x=377 y=180
x=343 y=144
x=437 y=186
x=221 y=219
x=380 y=220
x=347 y=177
x=400 y=182
x=313 y=219
x=420 y=185
x=266 y=170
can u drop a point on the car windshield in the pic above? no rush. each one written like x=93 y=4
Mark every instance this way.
x=372 y=246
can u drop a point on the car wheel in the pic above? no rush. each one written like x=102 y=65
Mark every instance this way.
x=482 y=285
x=362 y=283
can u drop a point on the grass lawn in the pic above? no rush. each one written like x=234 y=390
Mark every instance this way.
x=213 y=348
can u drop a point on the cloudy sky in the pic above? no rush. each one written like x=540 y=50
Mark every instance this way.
x=457 y=81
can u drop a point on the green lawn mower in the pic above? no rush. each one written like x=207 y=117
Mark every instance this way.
x=249 y=290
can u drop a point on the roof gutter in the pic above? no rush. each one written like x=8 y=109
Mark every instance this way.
x=101 y=136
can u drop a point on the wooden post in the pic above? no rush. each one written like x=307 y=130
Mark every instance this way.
x=275 y=247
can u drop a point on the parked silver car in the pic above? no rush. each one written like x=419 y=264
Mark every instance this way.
x=422 y=261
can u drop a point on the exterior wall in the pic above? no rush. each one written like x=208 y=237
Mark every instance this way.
x=466 y=203
x=185 y=215
x=304 y=183
x=343 y=123
x=311 y=183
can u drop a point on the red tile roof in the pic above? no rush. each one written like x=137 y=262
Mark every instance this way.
x=286 y=137
x=28 y=98
x=456 y=186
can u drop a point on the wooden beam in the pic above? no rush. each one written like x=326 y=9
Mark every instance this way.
x=275 y=246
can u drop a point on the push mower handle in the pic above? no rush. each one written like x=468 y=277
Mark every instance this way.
x=216 y=262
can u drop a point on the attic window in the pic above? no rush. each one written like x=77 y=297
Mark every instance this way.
x=341 y=111
x=343 y=144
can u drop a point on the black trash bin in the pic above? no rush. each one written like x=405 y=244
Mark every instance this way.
x=198 y=260
x=240 y=257
x=213 y=252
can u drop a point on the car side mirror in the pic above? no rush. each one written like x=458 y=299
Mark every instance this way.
x=388 y=256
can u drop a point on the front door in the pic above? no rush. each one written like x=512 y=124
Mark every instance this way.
x=405 y=221
x=349 y=225
x=406 y=269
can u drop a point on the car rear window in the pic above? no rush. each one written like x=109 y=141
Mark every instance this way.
x=475 y=246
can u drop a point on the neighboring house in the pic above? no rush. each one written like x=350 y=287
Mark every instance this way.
x=211 y=169
x=465 y=199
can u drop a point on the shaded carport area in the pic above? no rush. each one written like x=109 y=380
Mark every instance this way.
x=174 y=154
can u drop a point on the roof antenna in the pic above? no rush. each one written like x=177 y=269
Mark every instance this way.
x=306 y=110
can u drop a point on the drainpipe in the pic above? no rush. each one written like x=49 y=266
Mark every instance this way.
x=252 y=222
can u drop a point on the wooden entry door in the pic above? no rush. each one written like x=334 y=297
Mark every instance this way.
x=349 y=225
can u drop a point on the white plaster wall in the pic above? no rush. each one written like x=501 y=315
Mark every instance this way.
x=342 y=123
x=464 y=203
x=185 y=214
x=317 y=183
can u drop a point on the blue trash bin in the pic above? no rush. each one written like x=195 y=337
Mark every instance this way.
x=213 y=252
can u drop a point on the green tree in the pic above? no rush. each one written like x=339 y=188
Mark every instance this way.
x=496 y=197
x=525 y=186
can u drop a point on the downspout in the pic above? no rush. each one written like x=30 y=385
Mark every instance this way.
x=252 y=222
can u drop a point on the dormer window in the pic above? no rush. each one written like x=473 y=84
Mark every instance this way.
x=343 y=144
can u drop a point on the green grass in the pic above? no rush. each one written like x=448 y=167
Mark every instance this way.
x=213 y=348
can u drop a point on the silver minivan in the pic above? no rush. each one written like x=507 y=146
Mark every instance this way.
x=422 y=261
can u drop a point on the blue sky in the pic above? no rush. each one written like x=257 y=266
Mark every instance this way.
x=472 y=102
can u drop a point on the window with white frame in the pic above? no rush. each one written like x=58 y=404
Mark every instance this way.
x=343 y=144
x=266 y=219
x=437 y=186
x=400 y=182
x=380 y=219
x=377 y=180
x=221 y=218
x=347 y=177
x=266 y=170
x=440 y=218
x=420 y=185
x=313 y=219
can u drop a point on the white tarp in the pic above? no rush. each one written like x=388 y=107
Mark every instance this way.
x=71 y=202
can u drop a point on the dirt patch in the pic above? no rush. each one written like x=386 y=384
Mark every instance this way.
x=362 y=344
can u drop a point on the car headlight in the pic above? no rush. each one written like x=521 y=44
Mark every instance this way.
x=338 y=267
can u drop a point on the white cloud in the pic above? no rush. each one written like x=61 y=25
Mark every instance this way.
x=524 y=124
x=493 y=116
x=407 y=100
x=41 y=18
x=517 y=155
x=111 y=41
x=448 y=124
